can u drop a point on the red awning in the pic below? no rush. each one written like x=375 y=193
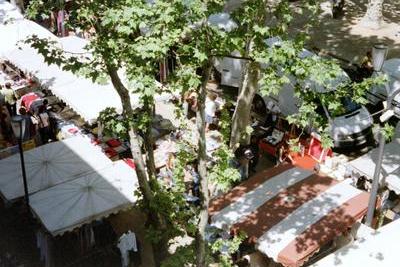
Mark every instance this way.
x=289 y=213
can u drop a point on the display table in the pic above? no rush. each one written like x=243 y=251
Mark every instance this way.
x=272 y=142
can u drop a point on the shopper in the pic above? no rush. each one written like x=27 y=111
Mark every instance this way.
x=256 y=152
x=44 y=125
x=29 y=131
x=5 y=125
x=211 y=107
x=190 y=104
x=10 y=99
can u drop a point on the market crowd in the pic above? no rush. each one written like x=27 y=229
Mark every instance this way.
x=35 y=114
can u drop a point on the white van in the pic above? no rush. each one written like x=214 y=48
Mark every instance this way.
x=352 y=128
x=378 y=94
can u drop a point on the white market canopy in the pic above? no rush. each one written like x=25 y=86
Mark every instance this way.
x=49 y=165
x=88 y=99
x=10 y=12
x=98 y=194
x=14 y=32
x=390 y=169
x=378 y=249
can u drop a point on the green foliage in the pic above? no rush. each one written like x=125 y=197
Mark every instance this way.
x=222 y=174
x=183 y=256
x=229 y=246
x=388 y=131
x=113 y=123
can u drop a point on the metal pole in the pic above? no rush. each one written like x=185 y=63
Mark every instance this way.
x=21 y=153
x=375 y=182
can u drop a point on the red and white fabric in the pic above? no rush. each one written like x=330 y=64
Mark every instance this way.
x=288 y=212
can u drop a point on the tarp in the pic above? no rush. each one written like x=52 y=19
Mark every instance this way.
x=288 y=212
x=92 y=196
x=378 y=249
x=49 y=165
x=390 y=168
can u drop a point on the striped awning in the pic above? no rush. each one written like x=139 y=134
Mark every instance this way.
x=288 y=212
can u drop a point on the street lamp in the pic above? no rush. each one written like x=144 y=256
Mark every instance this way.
x=379 y=53
x=18 y=126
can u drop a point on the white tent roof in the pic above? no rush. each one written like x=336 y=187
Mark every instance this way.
x=74 y=44
x=14 y=32
x=69 y=205
x=49 y=165
x=8 y=12
x=378 y=249
x=390 y=170
x=73 y=90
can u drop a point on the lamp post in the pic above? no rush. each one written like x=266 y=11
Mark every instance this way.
x=18 y=126
x=379 y=52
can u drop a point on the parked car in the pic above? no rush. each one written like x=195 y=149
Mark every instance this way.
x=350 y=128
x=379 y=93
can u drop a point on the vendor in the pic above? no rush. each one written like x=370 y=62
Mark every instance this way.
x=211 y=107
x=273 y=112
x=10 y=98
x=190 y=104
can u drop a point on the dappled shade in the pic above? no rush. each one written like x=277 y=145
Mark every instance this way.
x=89 y=197
x=289 y=213
x=49 y=165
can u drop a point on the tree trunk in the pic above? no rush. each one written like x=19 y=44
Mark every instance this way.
x=202 y=168
x=133 y=136
x=241 y=116
x=149 y=144
x=159 y=249
x=373 y=18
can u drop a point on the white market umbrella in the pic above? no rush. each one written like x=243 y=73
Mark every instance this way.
x=69 y=205
x=49 y=165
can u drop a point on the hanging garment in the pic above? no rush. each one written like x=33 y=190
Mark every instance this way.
x=60 y=23
x=126 y=243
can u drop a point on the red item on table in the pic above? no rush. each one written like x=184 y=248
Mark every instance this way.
x=130 y=163
x=268 y=148
x=73 y=130
x=316 y=150
x=113 y=143
x=95 y=141
x=110 y=152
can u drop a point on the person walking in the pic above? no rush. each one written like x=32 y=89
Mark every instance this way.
x=29 y=126
x=43 y=120
x=256 y=152
x=10 y=99
x=211 y=107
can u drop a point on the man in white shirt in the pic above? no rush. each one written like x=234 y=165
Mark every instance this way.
x=211 y=107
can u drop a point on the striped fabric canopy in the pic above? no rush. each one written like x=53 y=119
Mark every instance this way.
x=288 y=212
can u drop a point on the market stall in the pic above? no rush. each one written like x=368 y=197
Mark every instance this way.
x=289 y=213
x=49 y=165
x=74 y=210
x=390 y=169
x=88 y=197
x=378 y=248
